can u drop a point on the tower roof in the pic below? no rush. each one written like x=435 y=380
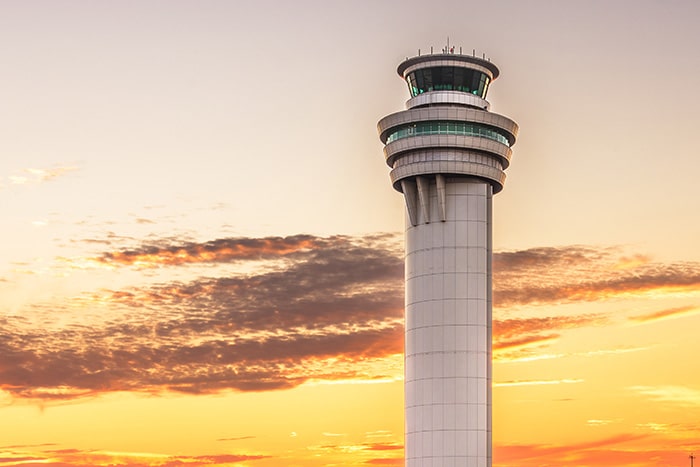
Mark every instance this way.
x=452 y=58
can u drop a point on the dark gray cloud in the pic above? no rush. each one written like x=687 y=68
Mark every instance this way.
x=338 y=298
x=226 y=250
x=541 y=276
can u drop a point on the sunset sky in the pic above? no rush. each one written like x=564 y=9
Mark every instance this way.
x=202 y=255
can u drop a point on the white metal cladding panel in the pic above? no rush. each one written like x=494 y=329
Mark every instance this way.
x=463 y=145
x=448 y=97
x=448 y=331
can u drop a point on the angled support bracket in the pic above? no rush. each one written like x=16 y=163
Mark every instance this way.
x=424 y=198
x=409 y=192
x=442 y=209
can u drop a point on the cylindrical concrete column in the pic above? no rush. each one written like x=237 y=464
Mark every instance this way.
x=448 y=330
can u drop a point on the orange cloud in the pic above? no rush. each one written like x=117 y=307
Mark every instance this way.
x=507 y=328
x=579 y=454
x=513 y=338
x=633 y=261
x=386 y=461
x=669 y=313
x=361 y=449
x=91 y=458
x=217 y=251
x=226 y=250
x=520 y=342
x=652 y=449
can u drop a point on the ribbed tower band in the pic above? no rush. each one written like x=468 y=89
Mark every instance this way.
x=448 y=154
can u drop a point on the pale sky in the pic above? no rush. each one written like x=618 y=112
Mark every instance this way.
x=153 y=151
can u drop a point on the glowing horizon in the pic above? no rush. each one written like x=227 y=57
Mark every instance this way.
x=203 y=256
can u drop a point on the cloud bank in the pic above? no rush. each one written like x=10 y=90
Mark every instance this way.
x=324 y=308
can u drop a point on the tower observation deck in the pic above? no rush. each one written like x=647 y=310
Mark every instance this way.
x=448 y=153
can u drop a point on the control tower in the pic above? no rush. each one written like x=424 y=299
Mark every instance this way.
x=447 y=154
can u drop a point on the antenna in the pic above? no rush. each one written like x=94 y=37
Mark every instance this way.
x=692 y=458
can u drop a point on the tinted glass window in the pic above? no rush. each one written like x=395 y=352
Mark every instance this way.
x=448 y=128
x=447 y=78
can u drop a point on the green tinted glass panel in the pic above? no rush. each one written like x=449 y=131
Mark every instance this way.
x=448 y=128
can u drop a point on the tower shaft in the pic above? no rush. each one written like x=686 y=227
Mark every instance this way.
x=448 y=329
